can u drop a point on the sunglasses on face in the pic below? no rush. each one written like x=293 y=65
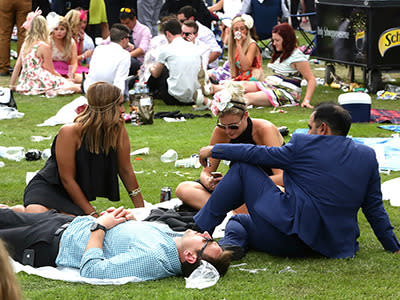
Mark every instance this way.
x=230 y=126
x=187 y=33
x=182 y=20
x=126 y=9
x=208 y=240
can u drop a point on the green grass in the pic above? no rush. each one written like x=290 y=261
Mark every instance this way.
x=372 y=274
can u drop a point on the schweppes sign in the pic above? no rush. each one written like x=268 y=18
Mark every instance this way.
x=389 y=39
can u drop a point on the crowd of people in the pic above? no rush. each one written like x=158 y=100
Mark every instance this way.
x=281 y=194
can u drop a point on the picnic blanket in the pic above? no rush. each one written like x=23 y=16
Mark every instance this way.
x=72 y=274
x=395 y=128
x=387 y=150
x=385 y=116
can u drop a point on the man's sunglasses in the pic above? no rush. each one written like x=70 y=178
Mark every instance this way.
x=186 y=33
x=230 y=126
x=208 y=240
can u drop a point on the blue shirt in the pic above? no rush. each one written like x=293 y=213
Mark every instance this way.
x=145 y=250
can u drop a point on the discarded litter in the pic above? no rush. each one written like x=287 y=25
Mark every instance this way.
x=253 y=271
x=288 y=269
x=145 y=151
x=169 y=156
x=191 y=162
x=2 y=164
x=46 y=153
x=38 y=138
x=171 y=120
x=12 y=153
x=238 y=265
x=204 y=276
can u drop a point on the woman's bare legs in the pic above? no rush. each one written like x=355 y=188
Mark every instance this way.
x=36 y=208
x=192 y=193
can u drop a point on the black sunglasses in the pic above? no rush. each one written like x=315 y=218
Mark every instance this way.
x=186 y=33
x=208 y=240
x=230 y=126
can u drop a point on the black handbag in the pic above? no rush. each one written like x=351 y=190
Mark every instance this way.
x=7 y=98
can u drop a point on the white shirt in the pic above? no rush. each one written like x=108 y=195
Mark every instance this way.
x=110 y=63
x=183 y=61
x=207 y=36
x=204 y=52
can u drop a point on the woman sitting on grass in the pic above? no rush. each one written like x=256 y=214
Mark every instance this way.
x=64 y=53
x=38 y=75
x=233 y=126
x=243 y=53
x=86 y=158
x=289 y=65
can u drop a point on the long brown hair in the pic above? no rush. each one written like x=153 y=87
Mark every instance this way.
x=101 y=121
x=9 y=288
x=289 y=41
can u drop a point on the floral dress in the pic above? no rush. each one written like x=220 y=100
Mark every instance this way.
x=35 y=80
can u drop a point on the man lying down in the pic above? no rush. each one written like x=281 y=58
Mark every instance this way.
x=114 y=245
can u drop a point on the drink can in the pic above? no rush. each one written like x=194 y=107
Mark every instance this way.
x=165 y=194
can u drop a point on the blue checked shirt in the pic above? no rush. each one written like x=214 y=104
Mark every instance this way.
x=145 y=250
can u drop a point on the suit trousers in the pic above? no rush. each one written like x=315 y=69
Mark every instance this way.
x=10 y=11
x=39 y=232
x=249 y=184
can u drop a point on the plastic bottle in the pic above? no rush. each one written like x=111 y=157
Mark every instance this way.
x=169 y=156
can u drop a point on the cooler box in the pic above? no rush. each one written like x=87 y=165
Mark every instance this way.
x=358 y=104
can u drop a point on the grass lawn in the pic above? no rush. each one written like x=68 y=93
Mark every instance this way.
x=373 y=273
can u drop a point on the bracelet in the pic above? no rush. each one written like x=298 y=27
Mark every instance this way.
x=306 y=100
x=134 y=192
x=93 y=213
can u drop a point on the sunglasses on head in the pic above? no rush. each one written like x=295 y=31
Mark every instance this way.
x=126 y=9
x=208 y=240
x=230 y=126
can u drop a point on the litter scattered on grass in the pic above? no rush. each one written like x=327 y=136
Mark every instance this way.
x=144 y=151
x=238 y=265
x=171 y=120
x=288 y=269
x=253 y=271
x=39 y=138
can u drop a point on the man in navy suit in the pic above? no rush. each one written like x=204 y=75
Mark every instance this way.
x=327 y=177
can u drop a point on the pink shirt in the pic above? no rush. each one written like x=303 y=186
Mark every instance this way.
x=141 y=36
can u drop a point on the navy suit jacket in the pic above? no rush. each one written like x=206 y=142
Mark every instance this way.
x=327 y=180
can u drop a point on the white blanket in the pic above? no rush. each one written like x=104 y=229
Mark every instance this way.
x=66 y=114
x=72 y=274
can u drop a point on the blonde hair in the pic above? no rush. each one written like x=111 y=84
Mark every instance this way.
x=101 y=121
x=73 y=17
x=237 y=99
x=68 y=40
x=38 y=31
x=9 y=288
x=250 y=38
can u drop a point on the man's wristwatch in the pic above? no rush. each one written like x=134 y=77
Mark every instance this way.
x=96 y=226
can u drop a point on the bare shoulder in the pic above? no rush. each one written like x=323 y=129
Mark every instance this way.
x=219 y=137
x=263 y=125
x=70 y=133
x=266 y=133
